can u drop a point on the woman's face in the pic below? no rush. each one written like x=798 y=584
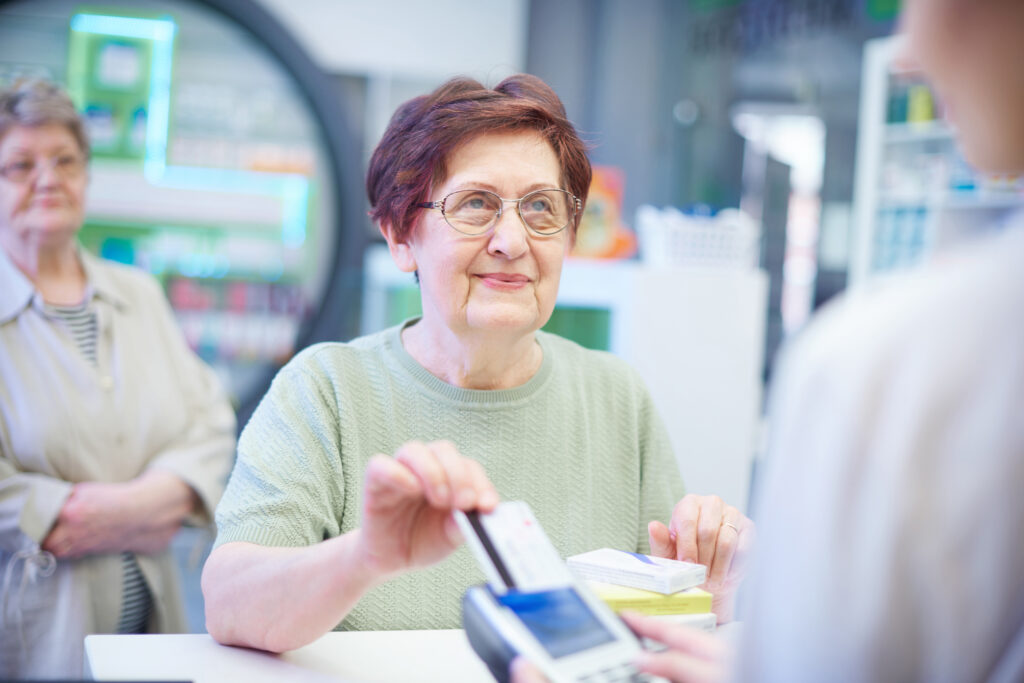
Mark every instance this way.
x=506 y=279
x=972 y=51
x=47 y=207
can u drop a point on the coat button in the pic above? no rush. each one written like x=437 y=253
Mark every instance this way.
x=107 y=382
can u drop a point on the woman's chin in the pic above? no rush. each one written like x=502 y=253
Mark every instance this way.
x=53 y=233
x=510 y=319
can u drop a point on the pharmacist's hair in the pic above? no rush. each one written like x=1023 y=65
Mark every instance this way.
x=38 y=102
x=411 y=159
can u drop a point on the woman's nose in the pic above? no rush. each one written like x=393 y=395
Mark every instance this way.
x=46 y=175
x=508 y=237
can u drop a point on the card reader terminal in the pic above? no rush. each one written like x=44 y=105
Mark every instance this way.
x=534 y=606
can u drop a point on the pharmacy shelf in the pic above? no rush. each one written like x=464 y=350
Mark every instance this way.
x=913 y=191
x=903 y=133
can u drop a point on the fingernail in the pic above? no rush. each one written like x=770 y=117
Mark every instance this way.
x=488 y=499
x=442 y=491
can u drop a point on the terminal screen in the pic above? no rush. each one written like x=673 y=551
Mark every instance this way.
x=559 y=620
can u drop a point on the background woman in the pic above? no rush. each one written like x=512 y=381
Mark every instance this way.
x=479 y=192
x=112 y=433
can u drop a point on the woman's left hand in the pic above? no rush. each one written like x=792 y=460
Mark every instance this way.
x=139 y=516
x=706 y=530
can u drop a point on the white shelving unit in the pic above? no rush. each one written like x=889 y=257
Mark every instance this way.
x=913 y=191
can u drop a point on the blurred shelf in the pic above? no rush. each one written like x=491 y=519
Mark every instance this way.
x=963 y=201
x=902 y=133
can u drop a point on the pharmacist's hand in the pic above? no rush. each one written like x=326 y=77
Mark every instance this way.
x=705 y=530
x=408 y=502
x=523 y=670
x=692 y=656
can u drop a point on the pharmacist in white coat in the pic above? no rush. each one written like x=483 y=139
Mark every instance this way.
x=891 y=514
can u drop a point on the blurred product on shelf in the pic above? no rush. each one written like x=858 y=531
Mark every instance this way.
x=910 y=99
x=602 y=234
x=238 y=321
x=670 y=237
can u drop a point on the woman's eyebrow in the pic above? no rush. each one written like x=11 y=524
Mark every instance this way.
x=478 y=185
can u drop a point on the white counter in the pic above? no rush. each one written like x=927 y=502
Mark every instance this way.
x=385 y=656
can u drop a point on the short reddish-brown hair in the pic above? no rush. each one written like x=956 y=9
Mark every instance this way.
x=412 y=156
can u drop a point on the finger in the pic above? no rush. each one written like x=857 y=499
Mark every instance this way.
x=426 y=467
x=676 y=666
x=56 y=542
x=676 y=636
x=662 y=544
x=388 y=481
x=744 y=545
x=683 y=526
x=63 y=549
x=452 y=530
x=457 y=473
x=725 y=547
x=707 y=529
x=523 y=670
x=487 y=495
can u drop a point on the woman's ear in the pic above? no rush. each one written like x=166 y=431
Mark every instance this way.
x=401 y=252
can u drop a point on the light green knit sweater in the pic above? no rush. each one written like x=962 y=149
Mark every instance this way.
x=580 y=442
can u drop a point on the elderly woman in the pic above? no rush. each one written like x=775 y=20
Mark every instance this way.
x=479 y=192
x=112 y=433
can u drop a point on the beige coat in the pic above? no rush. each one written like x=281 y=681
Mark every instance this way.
x=149 y=403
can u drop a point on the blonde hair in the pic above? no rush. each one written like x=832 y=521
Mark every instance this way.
x=38 y=102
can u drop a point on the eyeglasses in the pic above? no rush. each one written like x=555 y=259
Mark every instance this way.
x=66 y=166
x=474 y=212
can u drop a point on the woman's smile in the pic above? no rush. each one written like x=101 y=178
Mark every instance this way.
x=504 y=281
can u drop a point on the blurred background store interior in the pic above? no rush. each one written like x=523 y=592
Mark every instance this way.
x=753 y=158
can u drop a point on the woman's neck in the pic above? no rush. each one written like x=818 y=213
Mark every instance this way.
x=485 y=360
x=55 y=270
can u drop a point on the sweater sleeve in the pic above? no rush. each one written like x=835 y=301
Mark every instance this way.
x=661 y=485
x=286 y=488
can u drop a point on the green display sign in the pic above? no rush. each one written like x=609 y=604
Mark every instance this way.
x=883 y=9
x=119 y=67
x=708 y=5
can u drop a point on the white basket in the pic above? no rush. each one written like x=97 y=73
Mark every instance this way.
x=668 y=237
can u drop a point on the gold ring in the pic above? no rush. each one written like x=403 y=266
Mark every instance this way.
x=733 y=526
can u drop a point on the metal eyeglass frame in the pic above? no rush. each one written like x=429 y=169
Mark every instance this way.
x=76 y=169
x=577 y=206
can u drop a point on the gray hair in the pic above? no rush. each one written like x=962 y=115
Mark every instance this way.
x=39 y=102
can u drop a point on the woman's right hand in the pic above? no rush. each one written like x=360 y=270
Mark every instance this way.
x=281 y=598
x=408 y=502
x=141 y=516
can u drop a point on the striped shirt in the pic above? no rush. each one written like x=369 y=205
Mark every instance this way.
x=137 y=603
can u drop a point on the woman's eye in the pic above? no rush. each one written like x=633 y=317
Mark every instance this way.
x=538 y=205
x=475 y=201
